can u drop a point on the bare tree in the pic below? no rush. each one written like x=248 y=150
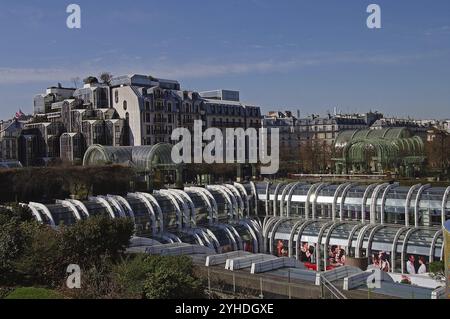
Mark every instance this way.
x=75 y=81
x=106 y=77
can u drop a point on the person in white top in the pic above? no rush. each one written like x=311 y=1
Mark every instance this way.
x=410 y=268
x=423 y=266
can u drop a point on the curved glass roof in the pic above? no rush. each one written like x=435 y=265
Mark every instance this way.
x=141 y=157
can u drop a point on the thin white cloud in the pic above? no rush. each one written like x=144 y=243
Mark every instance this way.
x=164 y=68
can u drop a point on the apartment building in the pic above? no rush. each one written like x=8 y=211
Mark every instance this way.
x=295 y=131
x=153 y=108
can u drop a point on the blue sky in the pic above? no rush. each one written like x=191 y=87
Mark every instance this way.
x=307 y=55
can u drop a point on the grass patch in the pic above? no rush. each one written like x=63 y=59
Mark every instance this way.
x=34 y=293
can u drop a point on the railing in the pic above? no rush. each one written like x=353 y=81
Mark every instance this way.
x=325 y=283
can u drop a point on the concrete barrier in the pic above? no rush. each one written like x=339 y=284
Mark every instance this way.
x=222 y=258
x=246 y=261
x=356 y=280
x=337 y=274
x=439 y=293
x=272 y=264
x=186 y=250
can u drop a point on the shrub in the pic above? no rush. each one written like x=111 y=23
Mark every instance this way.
x=97 y=282
x=41 y=260
x=35 y=254
x=88 y=241
x=13 y=240
x=130 y=275
x=157 y=277
x=172 y=278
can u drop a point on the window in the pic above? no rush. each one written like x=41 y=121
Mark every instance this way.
x=125 y=105
x=169 y=107
x=116 y=96
x=147 y=105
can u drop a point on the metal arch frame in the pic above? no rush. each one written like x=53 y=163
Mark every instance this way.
x=319 y=243
x=82 y=206
x=275 y=198
x=114 y=203
x=206 y=200
x=283 y=195
x=105 y=203
x=360 y=239
x=343 y=197
x=45 y=210
x=374 y=202
x=233 y=200
x=274 y=230
x=172 y=237
x=245 y=193
x=394 y=246
x=211 y=200
x=227 y=230
x=350 y=237
x=405 y=245
x=191 y=205
x=444 y=204
x=311 y=189
x=187 y=216
x=370 y=239
x=173 y=199
x=160 y=217
x=256 y=240
x=150 y=210
x=235 y=205
x=298 y=237
x=122 y=200
x=289 y=200
x=267 y=222
x=36 y=213
x=196 y=235
x=214 y=238
x=335 y=199
x=369 y=189
x=383 y=200
x=227 y=198
x=416 y=203
x=238 y=236
x=72 y=207
x=267 y=198
x=273 y=220
x=258 y=232
x=408 y=202
x=327 y=241
x=205 y=237
x=291 y=236
x=241 y=204
x=316 y=195
x=256 y=197
x=433 y=244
